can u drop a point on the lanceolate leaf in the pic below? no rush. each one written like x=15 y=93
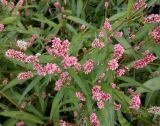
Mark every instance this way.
x=29 y=87
x=152 y=84
x=22 y=116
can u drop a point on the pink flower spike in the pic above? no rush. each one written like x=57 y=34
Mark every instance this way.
x=100 y=104
x=58 y=85
x=97 y=44
x=51 y=68
x=106 y=4
x=88 y=66
x=130 y=90
x=107 y=25
x=139 y=4
x=120 y=72
x=94 y=120
x=11 y=53
x=20 y=123
x=25 y=75
x=118 y=34
x=11 y=7
x=117 y=107
x=5 y=81
x=113 y=85
x=40 y=70
x=4 y=2
x=69 y=61
x=80 y=96
x=143 y=62
x=96 y=94
x=1 y=27
x=56 y=4
x=118 y=51
x=135 y=102
x=101 y=34
x=105 y=96
x=77 y=66
x=155 y=34
x=20 y=3
x=82 y=27
x=31 y=59
x=153 y=18
x=113 y=64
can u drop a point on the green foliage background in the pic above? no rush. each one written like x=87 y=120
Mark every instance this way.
x=42 y=18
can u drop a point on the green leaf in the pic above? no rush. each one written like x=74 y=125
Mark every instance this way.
x=46 y=58
x=13 y=83
x=9 y=98
x=71 y=28
x=107 y=115
x=9 y=20
x=76 y=44
x=152 y=84
x=29 y=87
x=122 y=120
x=54 y=114
x=10 y=122
x=79 y=7
x=22 y=116
x=77 y=20
x=45 y=20
x=41 y=100
x=117 y=16
x=130 y=7
x=83 y=87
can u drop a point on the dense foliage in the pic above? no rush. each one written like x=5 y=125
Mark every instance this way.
x=79 y=63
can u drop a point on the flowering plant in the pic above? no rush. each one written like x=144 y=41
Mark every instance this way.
x=67 y=62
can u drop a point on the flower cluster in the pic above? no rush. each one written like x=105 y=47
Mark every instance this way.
x=88 y=66
x=49 y=68
x=11 y=53
x=143 y=62
x=113 y=64
x=139 y=4
x=100 y=96
x=113 y=85
x=59 y=48
x=155 y=34
x=20 y=56
x=94 y=120
x=118 y=34
x=107 y=26
x=20 y=123
x=154 y=110
x=32 y=39
x=22 y=44
x=25 y=75
x=117 y=106
x=120 y=72
x=67 y=62
x=63 y=78
x=20 y=3
x=4 y=2
x=152 y=18
x=135 y=102
x=1 y=27
x=97 y=44
x=5 y=81
x=118 y=51
x=80 y=96
x=106 y=4
x=11 y=7
x=101 y=34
